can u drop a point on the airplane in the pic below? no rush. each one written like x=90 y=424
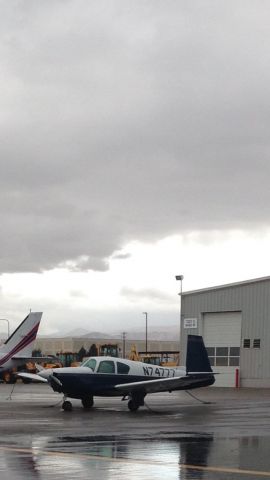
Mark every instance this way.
x=17 y=349
x=110 y=376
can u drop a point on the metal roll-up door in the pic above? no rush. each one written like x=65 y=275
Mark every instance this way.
x=222 y=337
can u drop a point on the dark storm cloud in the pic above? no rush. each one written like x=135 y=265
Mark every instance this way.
x=123 y=121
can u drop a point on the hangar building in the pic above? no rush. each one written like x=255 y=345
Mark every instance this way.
x=234 y=321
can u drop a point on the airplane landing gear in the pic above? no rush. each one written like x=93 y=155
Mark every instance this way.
x=67 y=406
x=87 y=402
x=136 y=401
x=133 y=406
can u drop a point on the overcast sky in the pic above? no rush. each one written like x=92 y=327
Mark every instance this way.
x=134 y=141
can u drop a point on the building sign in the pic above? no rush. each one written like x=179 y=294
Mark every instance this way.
x=190 y=322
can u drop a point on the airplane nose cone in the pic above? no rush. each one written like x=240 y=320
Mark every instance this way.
x=55 y=383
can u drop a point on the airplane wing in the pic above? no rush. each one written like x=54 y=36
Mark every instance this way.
x=33 y=359
x=162 y=384
x=32 y=376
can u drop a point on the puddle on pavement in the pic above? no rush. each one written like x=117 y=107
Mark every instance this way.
x=165 y=456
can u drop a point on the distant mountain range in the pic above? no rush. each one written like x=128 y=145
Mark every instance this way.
x=168 y=333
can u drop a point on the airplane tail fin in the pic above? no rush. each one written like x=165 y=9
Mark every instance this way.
x=197 y=358
x=21 y=342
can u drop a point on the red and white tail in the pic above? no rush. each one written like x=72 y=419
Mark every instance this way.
x=21 y=342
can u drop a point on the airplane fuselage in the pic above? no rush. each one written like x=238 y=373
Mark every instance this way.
x=103 y=376
x=109 y=376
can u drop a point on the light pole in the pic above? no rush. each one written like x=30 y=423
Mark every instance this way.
x=124 y=334
x=180 y=278
x=146 y=315
x=5 y=320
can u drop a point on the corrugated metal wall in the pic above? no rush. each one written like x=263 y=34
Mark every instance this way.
x=253 y=301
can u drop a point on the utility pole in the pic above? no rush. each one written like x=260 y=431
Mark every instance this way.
x=124 y=344
x=6 y=320
x=180 y=278
x=146 y=326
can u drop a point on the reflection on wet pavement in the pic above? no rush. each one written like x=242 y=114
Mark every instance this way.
x=170 y=456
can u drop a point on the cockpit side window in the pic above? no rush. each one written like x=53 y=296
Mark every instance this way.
x=106 y=366
x=122 y=368
x=91 y=363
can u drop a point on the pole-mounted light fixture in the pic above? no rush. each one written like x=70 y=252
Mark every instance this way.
x=146 y=316
x=180 y=278
x=5 y=320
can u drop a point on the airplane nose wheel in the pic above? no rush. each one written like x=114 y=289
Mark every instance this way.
x=67 y=406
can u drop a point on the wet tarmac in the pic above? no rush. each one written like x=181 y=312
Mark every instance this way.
x=173 y=437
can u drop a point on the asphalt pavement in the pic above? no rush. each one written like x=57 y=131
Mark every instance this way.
x=220 y=434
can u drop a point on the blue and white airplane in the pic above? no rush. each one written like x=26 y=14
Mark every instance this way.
x=109 y=376
x=17 y=349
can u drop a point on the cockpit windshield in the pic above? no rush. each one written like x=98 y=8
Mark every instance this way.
x=90 y=363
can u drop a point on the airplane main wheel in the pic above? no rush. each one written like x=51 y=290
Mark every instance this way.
x=87 y=402
x=67 y=406
x=133 y=406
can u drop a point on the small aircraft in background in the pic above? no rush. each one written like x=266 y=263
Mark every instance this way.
x=110 y=376
x=17 y=349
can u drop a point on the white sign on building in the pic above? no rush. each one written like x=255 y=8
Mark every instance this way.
x=190 y=322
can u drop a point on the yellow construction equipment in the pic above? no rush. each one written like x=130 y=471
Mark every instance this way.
x=162 y=358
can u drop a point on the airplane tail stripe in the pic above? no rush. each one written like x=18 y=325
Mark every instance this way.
x=26 y=340
x=17 y=349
